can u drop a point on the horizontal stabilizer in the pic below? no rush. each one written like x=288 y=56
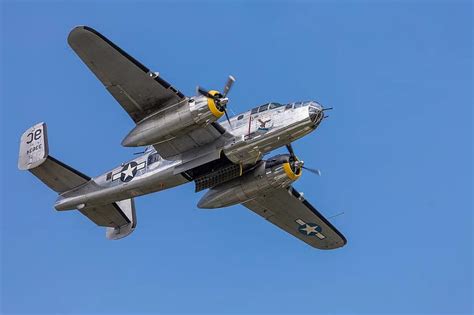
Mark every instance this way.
x=119 y=217
x=59 y=176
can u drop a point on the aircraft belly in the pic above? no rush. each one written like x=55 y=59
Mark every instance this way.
x=251 y=147
x=91 y=194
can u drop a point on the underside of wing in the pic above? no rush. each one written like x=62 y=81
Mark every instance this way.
x=287 y=209
x=139 y=91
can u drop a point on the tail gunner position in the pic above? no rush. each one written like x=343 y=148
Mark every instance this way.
x=185 y=143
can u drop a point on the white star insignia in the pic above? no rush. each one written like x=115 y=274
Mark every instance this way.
x=129 y=171
x=310 y=229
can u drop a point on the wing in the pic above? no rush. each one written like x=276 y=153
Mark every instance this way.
x=139 y=91
x=286 y=209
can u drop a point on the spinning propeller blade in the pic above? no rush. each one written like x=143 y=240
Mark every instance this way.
x=300 y=164
x=221 y=100
x=228 y=85
x=290 y=150
x=227 y=117
x=312 y=170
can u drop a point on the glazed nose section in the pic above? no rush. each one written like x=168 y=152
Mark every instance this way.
x=315 y=112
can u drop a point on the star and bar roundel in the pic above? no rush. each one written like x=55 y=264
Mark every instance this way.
x=128 y=171
x=310 y=229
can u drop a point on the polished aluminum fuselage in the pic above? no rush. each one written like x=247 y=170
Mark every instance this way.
x=250 y=136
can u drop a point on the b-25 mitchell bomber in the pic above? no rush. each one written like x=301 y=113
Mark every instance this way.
x=184 y=142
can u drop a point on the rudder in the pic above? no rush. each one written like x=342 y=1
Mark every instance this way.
x=33 y=147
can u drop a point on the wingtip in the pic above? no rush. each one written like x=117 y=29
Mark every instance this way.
x=81 y=30
x=83 y=27
x=73 y=33
x=335 y=245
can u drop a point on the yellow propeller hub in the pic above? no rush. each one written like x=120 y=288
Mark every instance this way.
x=290 y=173
x=213 y=106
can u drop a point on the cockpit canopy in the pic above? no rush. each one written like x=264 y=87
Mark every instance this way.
x=268 y=106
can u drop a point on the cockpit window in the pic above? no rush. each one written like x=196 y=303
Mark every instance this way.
x=298 y=104
x=275 y=105
x=263 y=108
x=289 y=106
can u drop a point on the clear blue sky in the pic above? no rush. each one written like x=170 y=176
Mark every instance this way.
x=396 y=157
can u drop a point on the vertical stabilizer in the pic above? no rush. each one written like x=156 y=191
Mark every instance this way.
x=34 y=157
x=128 y=209
x=118 y=218
x=33 y=147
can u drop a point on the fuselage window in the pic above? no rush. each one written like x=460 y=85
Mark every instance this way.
x=275 y=105
x=263 y=108
x=240 y=117
x=152 y=158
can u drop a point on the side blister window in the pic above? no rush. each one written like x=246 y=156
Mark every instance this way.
x=153 y=158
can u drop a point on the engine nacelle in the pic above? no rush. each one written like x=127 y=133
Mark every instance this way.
x=274 y=173
x=174 y=121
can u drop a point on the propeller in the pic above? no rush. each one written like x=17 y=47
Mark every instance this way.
x=313 y=170
x=228 y=85
x=290 y=150
x=220 y=100
x=295 y=163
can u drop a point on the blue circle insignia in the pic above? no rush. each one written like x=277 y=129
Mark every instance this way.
x=129 y=171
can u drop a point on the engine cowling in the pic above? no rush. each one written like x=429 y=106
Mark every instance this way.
x=175 y=121
x=277 y=172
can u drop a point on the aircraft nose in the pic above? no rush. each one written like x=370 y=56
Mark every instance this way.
x=315 y=113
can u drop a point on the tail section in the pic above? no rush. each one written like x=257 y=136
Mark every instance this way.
x=119 y=217
x=127 y=207
x=34 y=157
x=33 y=147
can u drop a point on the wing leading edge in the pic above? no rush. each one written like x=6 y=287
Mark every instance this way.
x=139 y=91
x=288 y=210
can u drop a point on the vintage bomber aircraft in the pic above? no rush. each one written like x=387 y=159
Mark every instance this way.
x=185 y=143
